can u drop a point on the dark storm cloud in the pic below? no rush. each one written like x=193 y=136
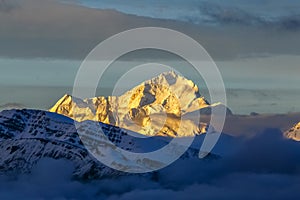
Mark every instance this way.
x=264 y=167
x=34 y=29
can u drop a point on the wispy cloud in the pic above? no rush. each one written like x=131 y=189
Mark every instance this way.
x=51 y=29
x=225 y=15
x=290 y=22
x=256 y=13
x=228 y=15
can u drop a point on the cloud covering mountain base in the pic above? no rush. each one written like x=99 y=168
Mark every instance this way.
x=264 y=167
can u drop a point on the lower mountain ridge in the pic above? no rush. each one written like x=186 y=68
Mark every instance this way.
x=26 y=136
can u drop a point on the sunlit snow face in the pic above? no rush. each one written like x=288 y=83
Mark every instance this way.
x=260 y=72
x=166 y=87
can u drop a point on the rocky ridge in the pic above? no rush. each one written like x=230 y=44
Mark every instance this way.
x=155 y=107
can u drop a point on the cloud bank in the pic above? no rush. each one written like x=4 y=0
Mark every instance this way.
x=49 y=29
x=201 y=11
x=255 y=13
x=265 y=167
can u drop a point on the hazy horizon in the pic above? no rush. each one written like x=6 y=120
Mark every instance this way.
x=39 y=83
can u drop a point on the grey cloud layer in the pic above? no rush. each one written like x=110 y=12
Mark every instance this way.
x=264 y=167
x=7 y=5
x=273 y=13
x=50 y=29
x=232 y=15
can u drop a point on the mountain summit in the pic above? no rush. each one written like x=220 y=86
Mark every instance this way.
x=155 y=107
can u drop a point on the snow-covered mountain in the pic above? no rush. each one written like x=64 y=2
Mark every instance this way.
x=294 y=132
x=155 y=107
x=26 y=136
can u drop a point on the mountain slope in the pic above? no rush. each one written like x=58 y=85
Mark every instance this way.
x=154 y=107
x=26 y=136
x=294 y=132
